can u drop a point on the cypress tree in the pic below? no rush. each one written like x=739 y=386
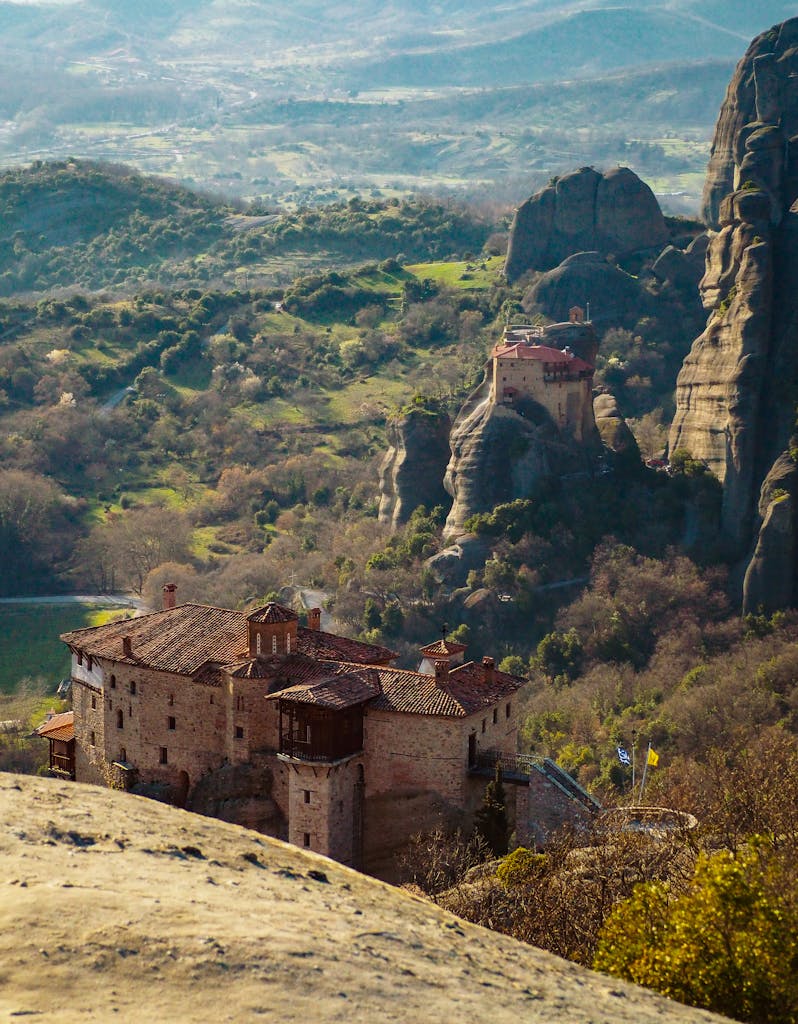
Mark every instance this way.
x=491 y=818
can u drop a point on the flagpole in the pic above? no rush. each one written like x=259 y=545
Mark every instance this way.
x=634 y=739
x=645 y=771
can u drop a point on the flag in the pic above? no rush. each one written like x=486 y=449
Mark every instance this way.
x=653 y=758
x=623 y=757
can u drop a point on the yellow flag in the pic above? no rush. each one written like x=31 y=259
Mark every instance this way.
x=653 y=758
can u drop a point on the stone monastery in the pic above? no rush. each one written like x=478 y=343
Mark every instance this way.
x=299 y=733
x=553 y=375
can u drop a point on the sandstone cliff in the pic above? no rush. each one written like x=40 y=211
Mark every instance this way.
x=412 y=471
x=583 y=211
x=737 y=390
x=119 y=908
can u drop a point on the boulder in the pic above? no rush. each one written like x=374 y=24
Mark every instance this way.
x=613 y=428
x=239 y=793
x=452 y=565
x=614 y=212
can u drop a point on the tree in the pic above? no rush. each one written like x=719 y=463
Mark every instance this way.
x=728 y=944
x=491 y=818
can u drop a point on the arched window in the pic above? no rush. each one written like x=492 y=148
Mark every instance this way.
x=274 y=644
x=120 y=719
x=288 y=643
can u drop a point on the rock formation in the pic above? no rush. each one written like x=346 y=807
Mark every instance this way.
x=612 y=427
x=119 y=908
x=616 y=299
x=737 y=390
x=499 y=454
x=584 y=211
x=412 y=471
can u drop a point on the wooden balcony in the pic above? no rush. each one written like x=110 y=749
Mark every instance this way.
x=309 y=733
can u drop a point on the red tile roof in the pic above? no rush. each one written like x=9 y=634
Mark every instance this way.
x=544 y=354
x=186 y=638
x=465 y=691
x=178 y=640
x=443 y=649
x=336 y=690
x=315 y=643
x=273 y=612
x=59 y=727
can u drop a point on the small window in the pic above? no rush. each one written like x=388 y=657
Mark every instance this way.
x=163 y=757
x=92 y=739
x=306 y=839
x=211 y=699
x=80 y=657
x=171 y=723
x=120 y=719
x=123 y=754
x=484 y=724
x=113 y=682
x=129 y=711
x=88 y=663
x=110 y=705
x=239 y=732
x=171 y=700
x=495 y=715
x=306 y=795
x=274 y=644
x=94 y=703
x=507 y=711
x=133 y=687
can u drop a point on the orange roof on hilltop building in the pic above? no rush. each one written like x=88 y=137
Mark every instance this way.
x=543 y=354
x=337 y=690
x=59 y=727
x=185 y=639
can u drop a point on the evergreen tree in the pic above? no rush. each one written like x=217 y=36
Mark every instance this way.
x=491 y=819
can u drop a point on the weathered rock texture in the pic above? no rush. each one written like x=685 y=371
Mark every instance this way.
x=737 y=389
x=412 y=471
x=612 y=427
x=499 y=454
x=612 y=213
x=118 y=908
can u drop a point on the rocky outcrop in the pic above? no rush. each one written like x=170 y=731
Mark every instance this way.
x=612 y=427
x=412 y=471
x=768 y=583
x=737 y=389
x=452 y=565
x=499 y=455
x=239 y=793
x=122 y=909
x=585 y=279
x=761 y=95
x=614 y=212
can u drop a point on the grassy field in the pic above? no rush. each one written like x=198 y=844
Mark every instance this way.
x=30 y=645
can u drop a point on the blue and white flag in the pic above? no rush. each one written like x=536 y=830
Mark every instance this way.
x=623 y=757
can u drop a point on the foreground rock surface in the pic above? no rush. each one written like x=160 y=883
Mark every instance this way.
x=118 y=908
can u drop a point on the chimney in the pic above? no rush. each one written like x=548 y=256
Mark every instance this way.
x=314 y=618
x=127 y=646
x=169 y=596
x=441 y=670
x=487 y=665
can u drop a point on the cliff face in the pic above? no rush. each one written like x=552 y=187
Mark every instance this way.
x=412 y=471
x=737 y=389
x=499 y=454
x=584 y=211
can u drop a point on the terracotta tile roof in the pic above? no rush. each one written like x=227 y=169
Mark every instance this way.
x=340 y=690
x=178 y=640
x=59 y=727
x=315 y=643
x=543 y=354
x=273 y=612
x=443 y=649
x=465 y=691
